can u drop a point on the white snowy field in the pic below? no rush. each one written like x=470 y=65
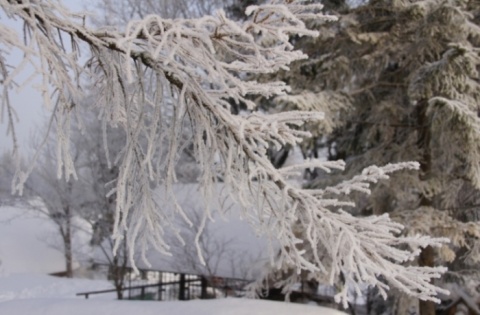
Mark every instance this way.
x=198 y=307
x=33 y=294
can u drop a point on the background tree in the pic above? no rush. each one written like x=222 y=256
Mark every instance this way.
x=204 y=65
x=123 y=11
x=85 y=203
x=101 y=145
x=60 y=200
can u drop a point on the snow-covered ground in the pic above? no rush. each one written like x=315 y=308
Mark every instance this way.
x=27 y=286
x=199 y=307
x=31 y=294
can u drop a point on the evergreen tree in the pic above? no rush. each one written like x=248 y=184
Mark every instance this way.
x=405 y=74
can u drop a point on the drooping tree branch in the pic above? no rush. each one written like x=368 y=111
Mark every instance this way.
x=161 y=79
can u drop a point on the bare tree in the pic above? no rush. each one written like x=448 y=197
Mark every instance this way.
x=59 y=200
x=99 y=206
x=123 y=11
x=230 y=251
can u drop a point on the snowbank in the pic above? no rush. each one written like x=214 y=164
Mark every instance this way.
x=199 y=307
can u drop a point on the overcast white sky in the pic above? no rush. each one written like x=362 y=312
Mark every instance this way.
x=27 y=101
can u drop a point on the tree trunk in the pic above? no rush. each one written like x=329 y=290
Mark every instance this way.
x=427 y=259
x=119 y=288
x=423 y=143
x=117 y=271
x=116 y=274
x=67 y=241
x=427 y=256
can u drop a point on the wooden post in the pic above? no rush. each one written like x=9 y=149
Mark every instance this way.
x=181 y=293
x=160 y=288
x=203 y=282
x=129 y=285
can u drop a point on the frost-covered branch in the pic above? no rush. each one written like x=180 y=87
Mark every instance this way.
x=162 y=79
